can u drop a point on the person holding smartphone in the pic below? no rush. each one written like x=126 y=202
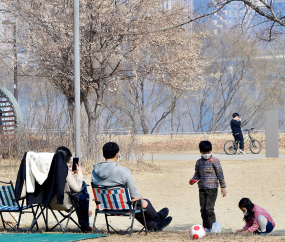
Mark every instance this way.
x=75 y=184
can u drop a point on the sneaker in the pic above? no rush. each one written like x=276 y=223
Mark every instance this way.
x=89 y=229
x=262 y=233
x=242 y=151
x=162 y=224
x=208 y=230
x=163 y=213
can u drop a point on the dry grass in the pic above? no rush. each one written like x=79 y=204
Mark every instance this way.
x=189 y=143
x=8 y=170
x=184 y=236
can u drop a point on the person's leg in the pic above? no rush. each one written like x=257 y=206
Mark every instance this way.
x=236 y=138
x=211 y=197
x=262 y=222
x=241 y=144
x=86 y=200
x=202 y=199
x=264 y=225
x=269 y=227
x=82 y=208
x=151 y=216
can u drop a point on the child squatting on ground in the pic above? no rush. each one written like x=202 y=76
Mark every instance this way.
x=208 y=173
x=257 y=219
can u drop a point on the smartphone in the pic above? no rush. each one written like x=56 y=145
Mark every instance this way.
x=193 y=180
x=75 y=162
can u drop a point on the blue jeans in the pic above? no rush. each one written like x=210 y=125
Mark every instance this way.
x=82 y=208
x=269 y=227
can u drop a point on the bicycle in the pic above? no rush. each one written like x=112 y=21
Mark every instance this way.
x=230 y=147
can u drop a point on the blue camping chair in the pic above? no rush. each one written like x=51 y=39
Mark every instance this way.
x=9 y=204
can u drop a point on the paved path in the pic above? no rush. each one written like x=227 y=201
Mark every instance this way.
x=183 y=157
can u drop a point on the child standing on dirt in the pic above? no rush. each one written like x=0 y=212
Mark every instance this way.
x=208 y=173
x=237 y=133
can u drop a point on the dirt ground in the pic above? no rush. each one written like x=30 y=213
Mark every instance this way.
x=260 y=180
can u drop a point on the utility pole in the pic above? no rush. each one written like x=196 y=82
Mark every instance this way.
x=15 y=64
x=15 y=51
x=76 y=78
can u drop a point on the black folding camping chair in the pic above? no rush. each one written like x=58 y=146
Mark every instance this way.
x=65 y=213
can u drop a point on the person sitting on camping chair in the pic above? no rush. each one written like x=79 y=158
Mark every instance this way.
x=108 y=173
x=82 y=203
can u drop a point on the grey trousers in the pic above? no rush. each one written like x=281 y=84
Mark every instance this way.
x=208 y=199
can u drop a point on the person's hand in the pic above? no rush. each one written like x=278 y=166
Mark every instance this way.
x=224 y=191
x=245 y=232
x=192 y=182
x=78 y=169
x=241 y=230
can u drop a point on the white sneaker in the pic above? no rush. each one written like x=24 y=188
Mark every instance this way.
x=208 y=230
x=242 y=151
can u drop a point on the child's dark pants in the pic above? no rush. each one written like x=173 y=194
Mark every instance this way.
x=239 y=137
x=207 y=203
x=151 y=216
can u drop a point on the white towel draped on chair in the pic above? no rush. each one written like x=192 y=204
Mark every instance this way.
x=37 y=168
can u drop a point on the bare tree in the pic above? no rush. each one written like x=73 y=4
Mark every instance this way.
x=232 y=84
x=265 y=15
x=112 y=34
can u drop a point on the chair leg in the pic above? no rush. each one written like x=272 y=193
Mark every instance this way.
x=35 y=219
x=56 y=219
x=33 y=211
x=69 y=215
x=47 y=229
x=107 y=223
x=65 y=217
x=95 y=222
x=133 y=217
x=44 y=217
x=19 y=220
x=3 y=222
x=144 y=222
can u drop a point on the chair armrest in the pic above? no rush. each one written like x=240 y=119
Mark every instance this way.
x=74 y=193
x=97 y=202
x=21 y=198
x=136 y=199
x=82 y=188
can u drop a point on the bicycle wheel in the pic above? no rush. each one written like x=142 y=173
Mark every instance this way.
x=229 y=147
x=255 y=146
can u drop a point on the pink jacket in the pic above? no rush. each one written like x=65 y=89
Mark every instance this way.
x=253 y=225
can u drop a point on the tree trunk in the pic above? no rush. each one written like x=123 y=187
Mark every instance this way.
x=93 y=116
x=71 y=111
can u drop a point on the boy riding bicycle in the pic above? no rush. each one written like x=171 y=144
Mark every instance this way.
x=237 y=133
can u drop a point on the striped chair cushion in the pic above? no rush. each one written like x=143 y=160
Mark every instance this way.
x=7 y=197
x=116 y=199
x=11 y=208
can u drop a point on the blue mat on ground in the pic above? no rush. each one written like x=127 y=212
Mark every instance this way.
x=47 y=237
